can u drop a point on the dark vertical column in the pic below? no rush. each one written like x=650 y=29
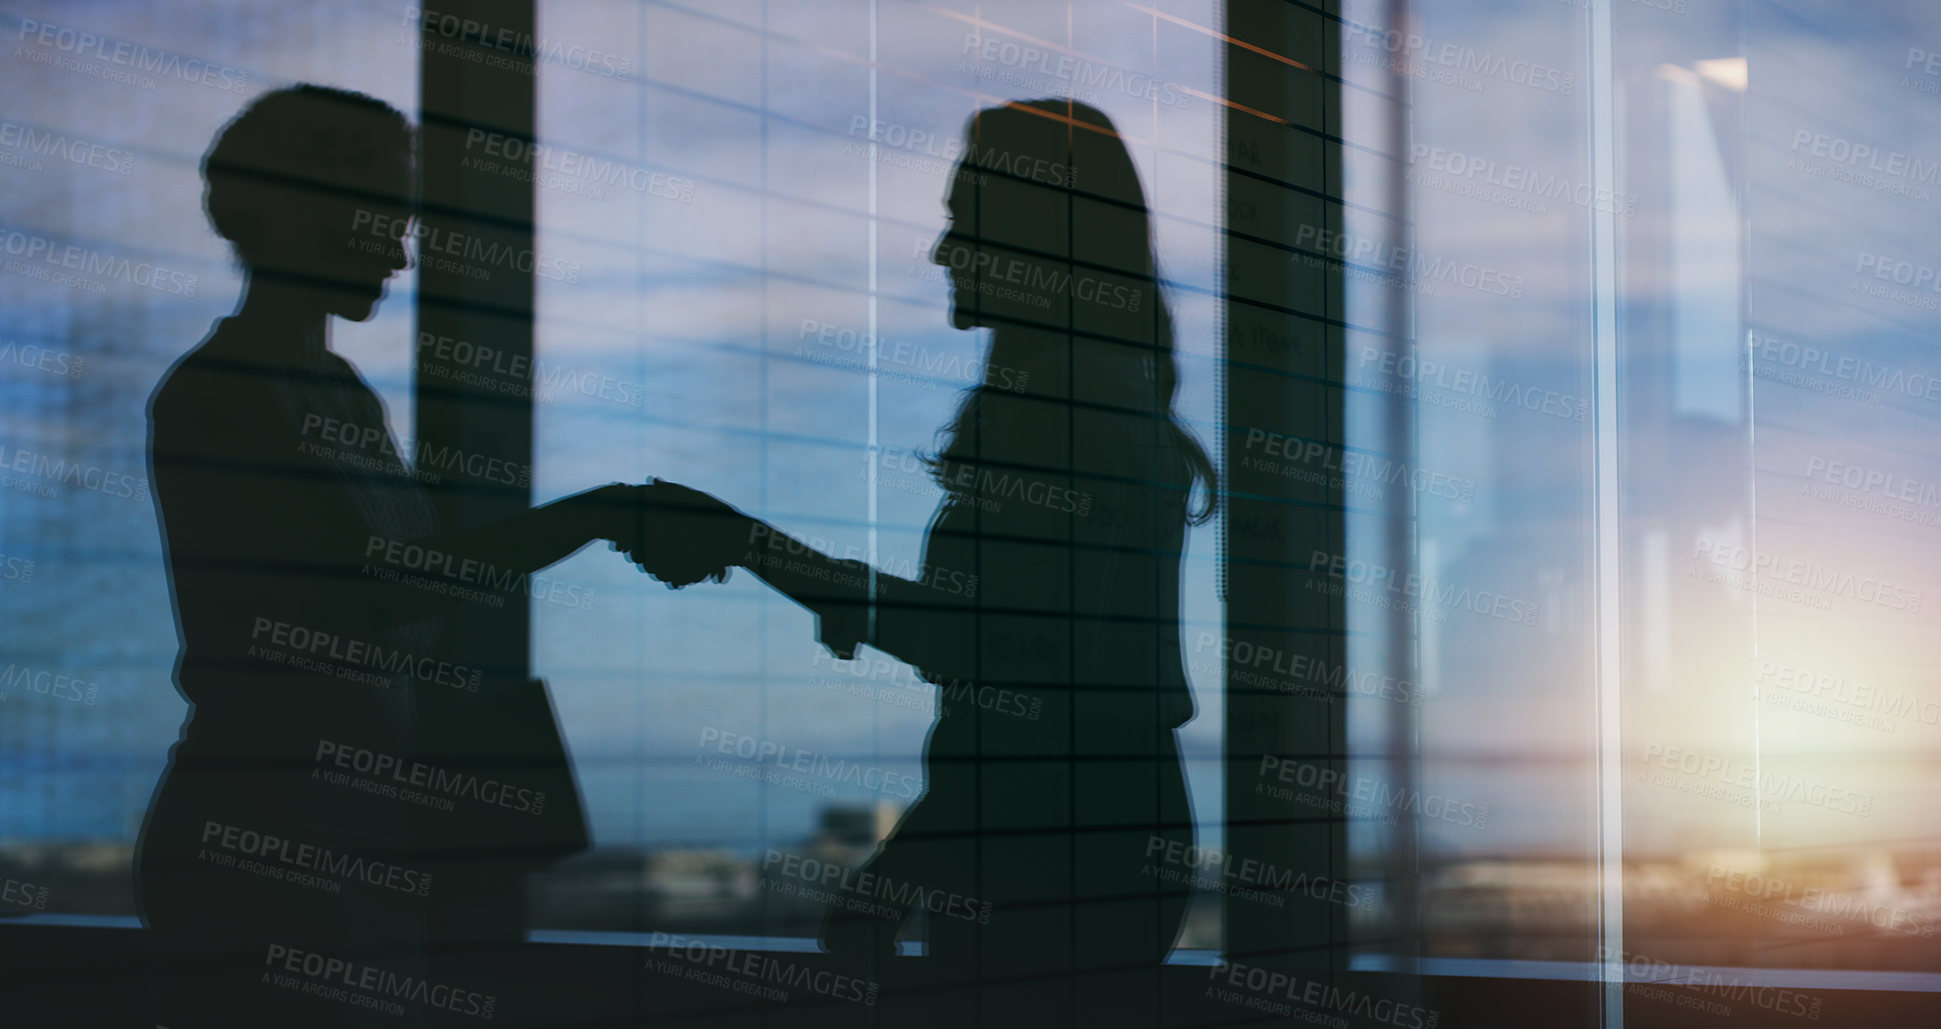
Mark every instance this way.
x=1283 y=361
x=476 y=286
x=478 y=265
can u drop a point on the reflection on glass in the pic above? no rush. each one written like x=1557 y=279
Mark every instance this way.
x=761 y=317
x=1548 y=660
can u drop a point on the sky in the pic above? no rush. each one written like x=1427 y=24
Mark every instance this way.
x=724 y=281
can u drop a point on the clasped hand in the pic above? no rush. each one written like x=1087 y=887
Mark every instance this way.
x=679 y=535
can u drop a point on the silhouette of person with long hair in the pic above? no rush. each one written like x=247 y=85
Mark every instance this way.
x=1047 y=607
x=312 y=583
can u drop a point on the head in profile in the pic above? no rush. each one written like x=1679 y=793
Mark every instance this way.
x=1050 y=246
x=313 y=189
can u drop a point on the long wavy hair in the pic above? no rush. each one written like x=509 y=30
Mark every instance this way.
x=1086 y=159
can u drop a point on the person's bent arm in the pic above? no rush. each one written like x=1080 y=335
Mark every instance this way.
x=853 y=603
x=499 y=555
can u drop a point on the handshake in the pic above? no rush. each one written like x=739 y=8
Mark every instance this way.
x=676 y=534
x=682 y=536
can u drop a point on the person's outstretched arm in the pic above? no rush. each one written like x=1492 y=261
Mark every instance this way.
x=628 y=516
x=686 y=535
x=535 y=538
x=853 y=603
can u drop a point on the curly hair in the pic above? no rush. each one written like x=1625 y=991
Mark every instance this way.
x=300 y=145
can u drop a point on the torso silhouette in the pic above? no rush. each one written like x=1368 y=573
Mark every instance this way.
x=1053 y=763
x=306 y=657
